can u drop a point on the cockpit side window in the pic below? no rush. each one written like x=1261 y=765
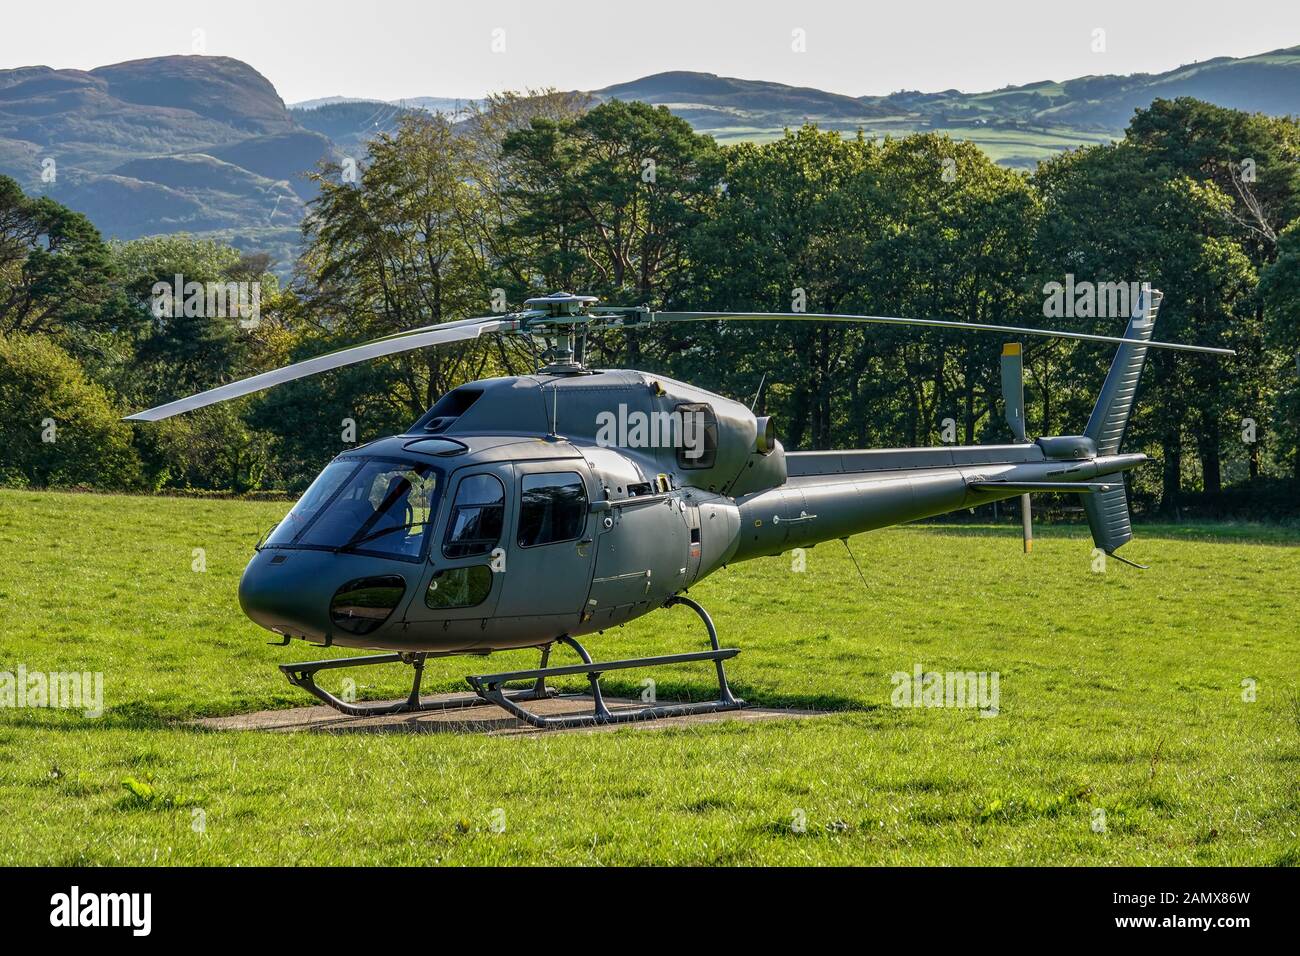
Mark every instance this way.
x=552 y=508
x=477 y=515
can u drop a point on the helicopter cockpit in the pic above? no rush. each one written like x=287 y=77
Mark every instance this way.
x=411 y=535
x=376 y=506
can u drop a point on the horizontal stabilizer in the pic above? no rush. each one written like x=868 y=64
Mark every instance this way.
x=1077 y=487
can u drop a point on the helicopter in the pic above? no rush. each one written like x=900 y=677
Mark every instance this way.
x=528 y=511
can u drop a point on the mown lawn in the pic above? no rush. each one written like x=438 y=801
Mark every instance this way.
x=1121 y=696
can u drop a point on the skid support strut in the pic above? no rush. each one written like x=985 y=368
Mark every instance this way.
x=304 y=675
x=489 y=687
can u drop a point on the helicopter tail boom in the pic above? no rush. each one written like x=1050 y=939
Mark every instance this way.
x=831 y=494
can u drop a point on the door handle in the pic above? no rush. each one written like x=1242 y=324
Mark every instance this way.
x=803 y=516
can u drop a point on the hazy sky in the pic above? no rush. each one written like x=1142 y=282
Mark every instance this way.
x=393 y=48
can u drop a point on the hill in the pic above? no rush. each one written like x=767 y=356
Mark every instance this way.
x=1267 y=83
x=1017 y=125
x=191 y=143
x=711 y=102
x=349 y=124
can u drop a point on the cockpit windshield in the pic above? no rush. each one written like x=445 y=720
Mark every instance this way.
x=376 y=506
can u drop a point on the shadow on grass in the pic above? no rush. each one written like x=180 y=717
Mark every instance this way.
x=484 y=719
x=492 y=720
x=1226 y=532
x=489 y=719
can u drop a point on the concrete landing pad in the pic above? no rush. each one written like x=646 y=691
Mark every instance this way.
x=484 y=719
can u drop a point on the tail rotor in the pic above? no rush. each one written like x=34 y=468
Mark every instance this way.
x=1013 y=405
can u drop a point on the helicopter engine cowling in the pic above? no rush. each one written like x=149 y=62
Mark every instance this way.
x=701 y=439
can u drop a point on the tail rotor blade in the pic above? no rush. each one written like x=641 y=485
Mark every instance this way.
x=1027 y=522
x=1013 y=388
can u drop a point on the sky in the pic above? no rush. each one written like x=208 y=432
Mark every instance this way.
x=388 y=49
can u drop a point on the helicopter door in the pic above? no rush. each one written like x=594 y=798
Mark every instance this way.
x=462 y=585
x=641 y=560
x=550 y=553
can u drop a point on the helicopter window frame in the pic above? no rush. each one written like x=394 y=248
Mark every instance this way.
x=360 y=461
x=553 y=475
x=455 y=507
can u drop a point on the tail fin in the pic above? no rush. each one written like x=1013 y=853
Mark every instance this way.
x=1115 y=403
x=1107 y=511
x=1108 y=518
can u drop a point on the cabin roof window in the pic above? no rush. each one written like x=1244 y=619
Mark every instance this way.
x=447 y=409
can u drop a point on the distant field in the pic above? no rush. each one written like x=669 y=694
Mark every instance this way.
x=1121 y=698
x=1012 y=147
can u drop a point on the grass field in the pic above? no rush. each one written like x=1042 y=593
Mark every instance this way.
x=1121 y=695
x=1013 y=146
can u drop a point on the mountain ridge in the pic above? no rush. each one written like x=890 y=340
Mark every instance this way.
x=206 y=144
x=158 y=145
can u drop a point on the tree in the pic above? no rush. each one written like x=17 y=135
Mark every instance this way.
x=921 y=226
x=1250 y=157
x=191 y=339
x=1280 y=294
x=606 y=204
x=785 y=237
x=1254 y=160
x=396 y=250
x=511 y=253
x=56 y=273
x=196 y=340
x=61 y=428
x=1112 y=214
x=953 y=240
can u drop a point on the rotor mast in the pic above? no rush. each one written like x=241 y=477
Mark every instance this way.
x=561 y=320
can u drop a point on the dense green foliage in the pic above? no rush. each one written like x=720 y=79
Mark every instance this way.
x=625 y=201
x=62 y=428
x=1120 y=692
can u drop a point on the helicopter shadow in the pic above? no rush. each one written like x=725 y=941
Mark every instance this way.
x=491 y=720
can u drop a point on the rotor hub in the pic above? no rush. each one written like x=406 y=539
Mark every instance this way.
x=562 y=305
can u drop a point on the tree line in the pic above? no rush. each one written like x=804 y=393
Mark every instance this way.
x=541 y=192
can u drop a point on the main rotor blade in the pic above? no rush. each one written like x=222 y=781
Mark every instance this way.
x=930 y=323
x=388 y=345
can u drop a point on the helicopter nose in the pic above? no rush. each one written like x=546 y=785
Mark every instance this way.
x=288 y=592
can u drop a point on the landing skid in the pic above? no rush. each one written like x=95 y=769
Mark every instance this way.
x=304 y=675
x=489 y=688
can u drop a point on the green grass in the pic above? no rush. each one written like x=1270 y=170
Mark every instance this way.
x=1120 y=691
